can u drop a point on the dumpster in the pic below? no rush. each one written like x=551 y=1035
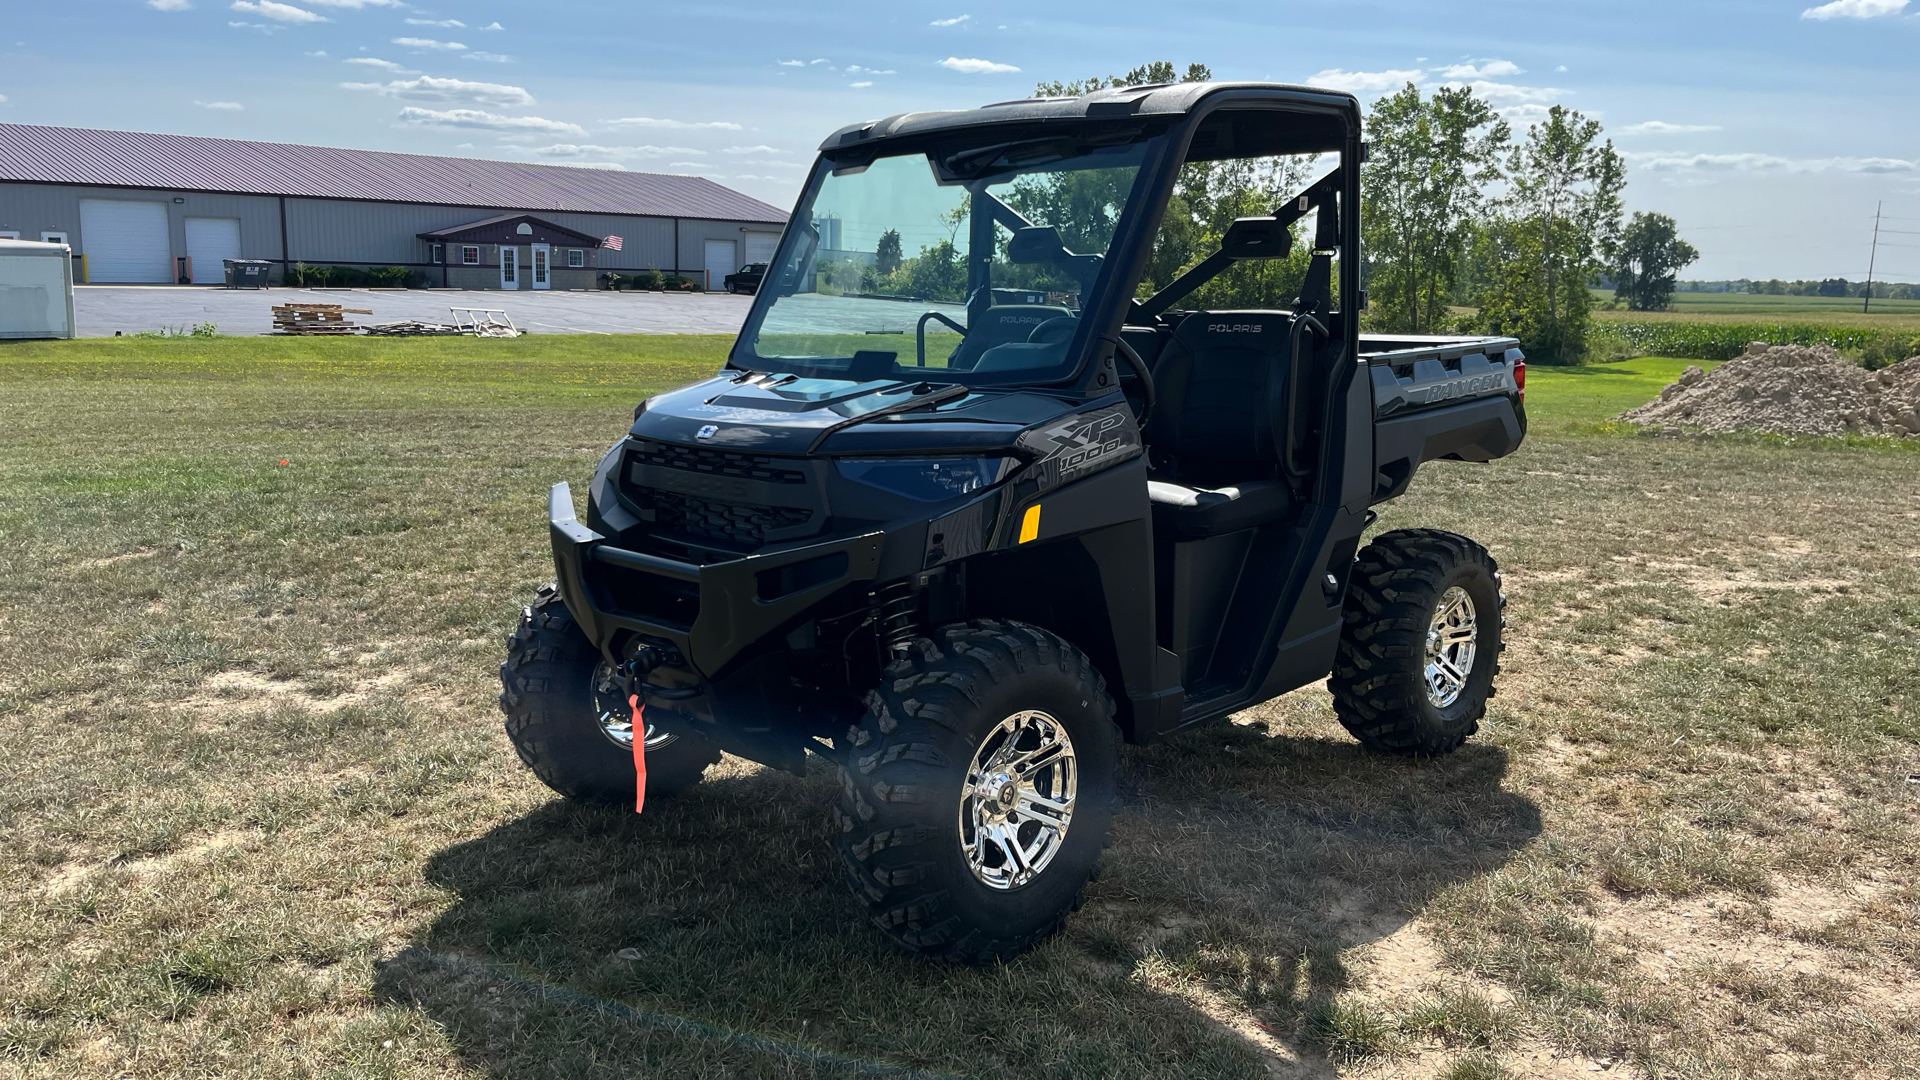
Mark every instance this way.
x=36 y=290
x=247 y=273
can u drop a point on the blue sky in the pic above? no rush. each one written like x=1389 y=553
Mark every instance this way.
x=1769 y=128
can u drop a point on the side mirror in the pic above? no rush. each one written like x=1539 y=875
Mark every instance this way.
x=1036 y=244
x=1256 y=238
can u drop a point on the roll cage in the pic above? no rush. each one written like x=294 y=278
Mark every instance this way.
x=1178 y=123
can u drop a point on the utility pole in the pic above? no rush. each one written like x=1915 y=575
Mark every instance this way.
x=1866 y=302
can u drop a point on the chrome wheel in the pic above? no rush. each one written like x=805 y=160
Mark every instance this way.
x=1018 y=799
x=1452 y=638
x=616 y=716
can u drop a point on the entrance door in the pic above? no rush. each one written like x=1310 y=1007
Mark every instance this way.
x=211 y=241
x=719 y=263
x=126 y=241
x=509 y=267
x=542 y=255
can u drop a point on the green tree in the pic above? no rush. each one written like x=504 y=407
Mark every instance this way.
x=937 y=273
x=1555 y=230
x=1428 y=165
x=1648 y=260
x=1148 y=74
x=886 y=258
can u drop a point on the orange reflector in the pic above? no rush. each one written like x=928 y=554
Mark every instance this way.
x=1030 y=524
x=639 y=752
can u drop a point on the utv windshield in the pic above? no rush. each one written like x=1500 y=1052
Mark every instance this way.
x=970 y=265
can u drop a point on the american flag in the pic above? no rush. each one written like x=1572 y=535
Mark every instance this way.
x=613 y=242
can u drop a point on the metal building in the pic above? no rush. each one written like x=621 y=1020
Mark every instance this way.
x=159 y=209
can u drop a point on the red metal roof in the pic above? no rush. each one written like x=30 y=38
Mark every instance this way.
x=58 y=155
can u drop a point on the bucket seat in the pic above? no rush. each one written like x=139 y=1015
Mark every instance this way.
x=1221 y=381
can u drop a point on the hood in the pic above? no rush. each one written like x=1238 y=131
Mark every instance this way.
x=784 y=414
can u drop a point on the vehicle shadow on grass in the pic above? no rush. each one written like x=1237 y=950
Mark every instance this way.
x=714 y=936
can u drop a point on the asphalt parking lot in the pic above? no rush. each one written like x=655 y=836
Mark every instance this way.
x=103 y=310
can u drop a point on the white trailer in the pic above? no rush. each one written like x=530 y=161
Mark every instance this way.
x=36 y=290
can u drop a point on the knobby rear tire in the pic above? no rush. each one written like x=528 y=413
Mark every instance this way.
x=1378 y=683
x=546 y=692
x=903 y=768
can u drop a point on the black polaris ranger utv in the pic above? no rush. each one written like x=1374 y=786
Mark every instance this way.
x=966 y=546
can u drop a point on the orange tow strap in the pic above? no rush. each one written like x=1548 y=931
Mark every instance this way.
x=639 y=753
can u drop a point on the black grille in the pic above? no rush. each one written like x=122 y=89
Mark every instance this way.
x=703 y=459
x=705 y=519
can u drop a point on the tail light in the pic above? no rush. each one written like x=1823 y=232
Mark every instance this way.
x=1520 y=378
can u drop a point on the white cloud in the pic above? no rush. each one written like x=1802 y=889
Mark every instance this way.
x=485 y=121
x=318 y=53
x=489 y=57
x=739 y=150
x=606 y=166
x=677 y=125
x=429 y=43
x=1661 y=127
x=374 y=62
x=356 y=5
x=975 y=66
x=273 y=9
x=1524 y=114
x=1360 y=81
x=1561 y=68
x=433 y=88
x=791 y=63
x=861 y=85
x=579 y=150
x=1855 y=9
x=493 y=26
x=3 y=99
x=686 y=164
x=1486 y=69
x=750 y=176
x=955 y=21
x=1663 y=162
x=1502 y=94
x=224 y=106
x=856 y=69
x=168 y=5
x=454 y=24
x=262 y=27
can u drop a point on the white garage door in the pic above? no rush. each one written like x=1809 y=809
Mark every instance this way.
x=760 y=246
x=126 y=241
x=210 y=242
x=719 y=263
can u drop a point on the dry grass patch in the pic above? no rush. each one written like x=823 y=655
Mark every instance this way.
x=257 y=815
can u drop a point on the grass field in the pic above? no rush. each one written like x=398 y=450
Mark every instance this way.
x=258 y=817
x=1747 y=308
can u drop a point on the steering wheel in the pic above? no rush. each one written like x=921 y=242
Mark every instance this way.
x=1140 y=372
x=1054 y=331
x=920 y=333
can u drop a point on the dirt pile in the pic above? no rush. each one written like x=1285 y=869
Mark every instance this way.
x=1790 y=390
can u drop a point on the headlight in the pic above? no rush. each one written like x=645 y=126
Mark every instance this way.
x=926 y=479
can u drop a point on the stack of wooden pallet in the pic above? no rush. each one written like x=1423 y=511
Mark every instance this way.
x=315 y=318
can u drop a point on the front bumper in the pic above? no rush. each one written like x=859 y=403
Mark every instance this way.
x=710 y=612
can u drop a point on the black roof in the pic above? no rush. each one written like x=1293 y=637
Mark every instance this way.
x=456 y=232
x=1169 y=100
